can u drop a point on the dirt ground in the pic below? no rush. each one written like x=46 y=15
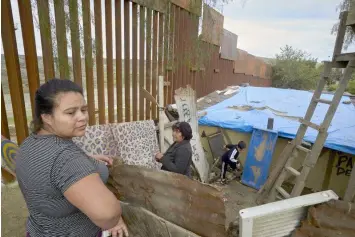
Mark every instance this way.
x=14 y=212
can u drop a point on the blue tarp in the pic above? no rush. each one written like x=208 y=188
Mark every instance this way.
x=341 y=135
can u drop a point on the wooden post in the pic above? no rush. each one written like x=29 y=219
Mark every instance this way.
x=270 y=123
x=161 y=112
x=350 y=190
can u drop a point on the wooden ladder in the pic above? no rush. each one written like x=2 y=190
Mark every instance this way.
x=273 y=187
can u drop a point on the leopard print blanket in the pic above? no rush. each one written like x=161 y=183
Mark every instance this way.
x=135 y=142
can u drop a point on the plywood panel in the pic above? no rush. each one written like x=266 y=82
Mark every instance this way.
x=212 y=26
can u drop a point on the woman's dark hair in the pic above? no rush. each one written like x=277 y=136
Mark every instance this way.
x=184 y=128
x=45 y=98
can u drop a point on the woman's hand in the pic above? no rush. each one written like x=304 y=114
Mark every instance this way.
x=158 y=156
x=106 y=159
x=120 y=230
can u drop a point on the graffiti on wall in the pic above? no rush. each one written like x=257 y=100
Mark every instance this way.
x=344 y=164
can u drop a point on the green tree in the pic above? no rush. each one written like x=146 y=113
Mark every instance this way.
x=295 y=69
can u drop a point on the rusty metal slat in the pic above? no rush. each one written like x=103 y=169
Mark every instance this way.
x=30 y=48
x=187 y=52
x=88 y=62
x=109 y=61
x=75 y=41
x=13 y=71
x=154 y=62
x=99 y=62
x=135 y=59
x=170 y=50
x=46 y=39
x=127 y=62
x=160 y=50
x=118 y=25
x=4 y=123
x=180 y=52
x=177 y=52
x=61 y=39
x=148 y=61
x=141 y=59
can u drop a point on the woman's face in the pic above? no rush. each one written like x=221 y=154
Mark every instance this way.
x=177 y=136
x=70 y=115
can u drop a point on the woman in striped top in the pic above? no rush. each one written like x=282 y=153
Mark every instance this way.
x=63 y=187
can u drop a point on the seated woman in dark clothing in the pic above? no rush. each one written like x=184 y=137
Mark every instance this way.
x=178 y=157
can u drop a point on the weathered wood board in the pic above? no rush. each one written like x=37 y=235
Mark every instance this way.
x=143 y=223
x=186 y=106
x=184 y=202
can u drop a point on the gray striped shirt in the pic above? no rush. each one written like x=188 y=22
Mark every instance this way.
x=46 y=166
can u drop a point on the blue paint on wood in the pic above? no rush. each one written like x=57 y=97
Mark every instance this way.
x=259 y=157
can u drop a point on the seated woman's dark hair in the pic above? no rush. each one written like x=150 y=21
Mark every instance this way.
x=184 y=128
x=45 y=98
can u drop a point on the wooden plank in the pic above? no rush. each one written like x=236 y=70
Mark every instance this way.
x=161 y=51
x=99 y=62
x=328 y=171
x=141 y=59
x=61 y=39
x=118 y=24
x=127 y=62
x=345 y=57
x=135 y=63
x=148 y=62
x=154 y=62
x=150 y=224
x=88 y=62
x=13 y=71
x=339 y=41
x=109 y=61
x=46 y=39
x=75 y=41
x=30 y=49
x=171 y=196
x=4 y=123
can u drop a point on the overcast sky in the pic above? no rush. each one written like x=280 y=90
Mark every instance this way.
x=265 y=26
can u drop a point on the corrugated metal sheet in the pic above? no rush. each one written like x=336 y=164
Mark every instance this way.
x=279 y=219
x=229 y=45
x=190 y=204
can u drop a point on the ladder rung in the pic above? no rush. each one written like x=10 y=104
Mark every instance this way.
x=345 y=57
x=310 y=124
x=303 y=148
x=293 y=171
x=306 y=144
x=324 y=101
x=283 y=192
